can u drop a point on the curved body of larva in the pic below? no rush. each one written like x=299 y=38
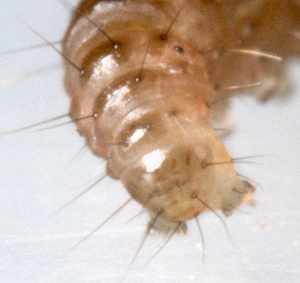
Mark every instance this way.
x=148 y=90
x=36 y=179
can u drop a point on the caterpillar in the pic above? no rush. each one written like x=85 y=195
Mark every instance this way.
x=35 y=198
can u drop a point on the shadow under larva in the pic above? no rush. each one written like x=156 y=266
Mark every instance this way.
x=35 y=183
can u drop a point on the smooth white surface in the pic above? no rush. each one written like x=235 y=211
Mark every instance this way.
x=39 y=174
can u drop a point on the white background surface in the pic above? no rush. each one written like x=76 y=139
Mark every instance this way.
x=39 y=174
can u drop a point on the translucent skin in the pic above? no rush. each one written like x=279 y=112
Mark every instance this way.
x=149 y=87
x=265 y=25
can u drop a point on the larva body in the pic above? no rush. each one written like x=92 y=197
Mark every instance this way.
x=148 y=92
x=277 y=207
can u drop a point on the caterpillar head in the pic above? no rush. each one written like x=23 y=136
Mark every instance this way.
x=183 y=179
